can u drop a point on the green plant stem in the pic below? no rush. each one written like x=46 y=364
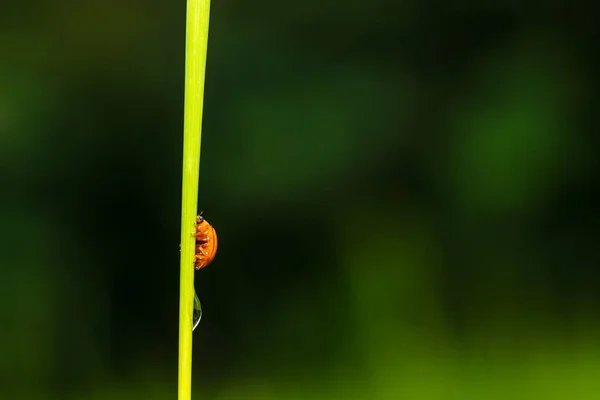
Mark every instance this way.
x=195 y=67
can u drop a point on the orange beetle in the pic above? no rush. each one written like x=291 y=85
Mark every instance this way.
x=206 y=243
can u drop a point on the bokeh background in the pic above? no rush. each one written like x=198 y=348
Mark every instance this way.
x=405 y=195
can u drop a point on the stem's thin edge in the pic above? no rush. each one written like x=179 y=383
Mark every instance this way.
x=197 y=19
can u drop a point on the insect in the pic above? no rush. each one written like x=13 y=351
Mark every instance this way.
x=206 y=243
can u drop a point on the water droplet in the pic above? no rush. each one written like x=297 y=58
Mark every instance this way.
x=197 y=315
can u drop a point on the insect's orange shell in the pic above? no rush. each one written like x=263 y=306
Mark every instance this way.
x=206 y=243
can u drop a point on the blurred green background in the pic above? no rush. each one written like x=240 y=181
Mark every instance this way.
x=405 y=195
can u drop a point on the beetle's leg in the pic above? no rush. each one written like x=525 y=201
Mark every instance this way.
x=200 y=249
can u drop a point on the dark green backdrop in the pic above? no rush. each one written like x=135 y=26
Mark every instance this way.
x=405 y=195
